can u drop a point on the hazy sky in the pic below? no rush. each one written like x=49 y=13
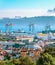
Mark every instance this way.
x=11 y=8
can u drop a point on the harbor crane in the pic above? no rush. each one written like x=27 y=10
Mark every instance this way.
x=31 y=27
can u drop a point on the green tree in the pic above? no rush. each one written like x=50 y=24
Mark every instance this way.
x=2 y=63
x=15 y=61
x=46 y=59
x=8 y=62
x=27 y=61
x=7 y=57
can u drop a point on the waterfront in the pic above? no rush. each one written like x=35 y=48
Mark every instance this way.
x=38 y=22
x=27 y=32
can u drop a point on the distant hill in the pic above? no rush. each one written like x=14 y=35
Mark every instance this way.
x=40 y=22
x=36 y=20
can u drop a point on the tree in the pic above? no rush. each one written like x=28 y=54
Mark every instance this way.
x=7 y=57
x=2 y=63
x=15 y=61
x=27 y=61
x=46 y=59
x=50 y=50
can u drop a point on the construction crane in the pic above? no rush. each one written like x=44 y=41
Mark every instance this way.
x=31 y=27
x=48 y=30
x=8 y=27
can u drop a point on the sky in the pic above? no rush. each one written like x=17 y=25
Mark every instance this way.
x=28 y=8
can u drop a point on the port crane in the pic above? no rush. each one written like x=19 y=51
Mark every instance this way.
x=8 y=27
x=48 y=30
x=31 y=27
